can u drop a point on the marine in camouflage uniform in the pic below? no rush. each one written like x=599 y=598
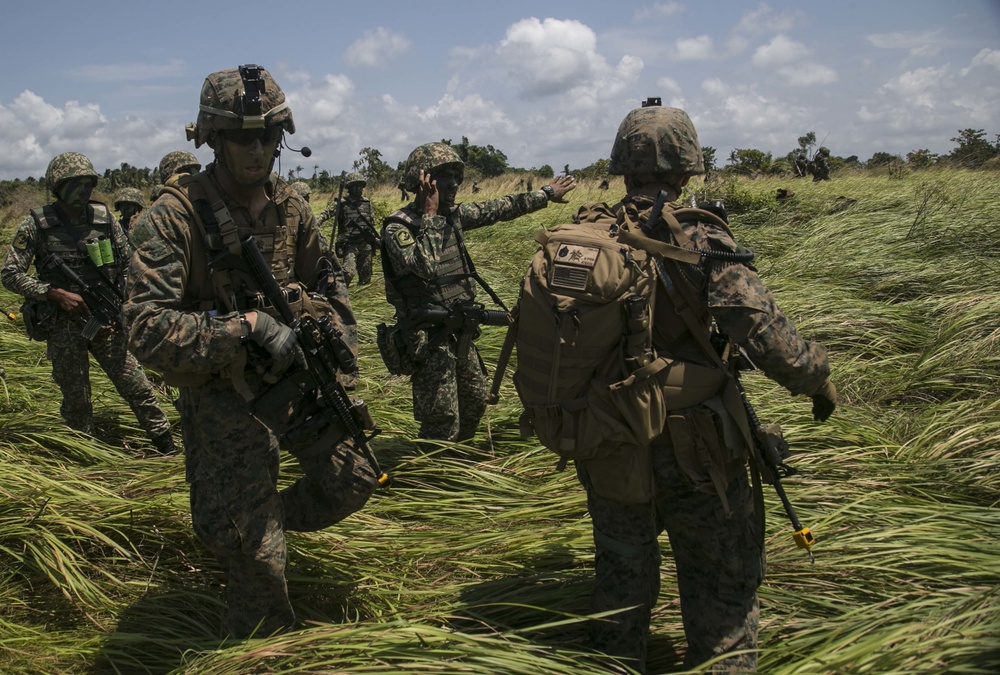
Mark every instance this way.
x=354 y=230
x=820 y=167
x=174 y=166
x=713 y=530
x=129 y=203
x=302 y=188
x=426 y=266
x=222 y=348
x=59 y=228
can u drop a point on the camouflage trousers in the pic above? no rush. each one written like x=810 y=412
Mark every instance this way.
x=718 y=560
x=357 y=262
x=232 y=462
x=68 y=352
x=449 y=394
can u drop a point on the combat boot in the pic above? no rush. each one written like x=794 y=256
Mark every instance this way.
x=164 y=444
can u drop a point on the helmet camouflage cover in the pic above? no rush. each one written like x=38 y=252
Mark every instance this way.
x=302 y=188
x=246 y=97
x=354 y=178
x=430 y=156
x=825 y=151
x=68 y=165
x=173 y=162
x=656 y=140
x=129 y=195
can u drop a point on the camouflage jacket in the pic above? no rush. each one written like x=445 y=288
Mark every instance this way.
x=735 y=298
x=357 y=225
x=29 y=245
x=418 y=249
x=171 y=329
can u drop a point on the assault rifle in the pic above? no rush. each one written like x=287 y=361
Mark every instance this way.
x=463 y=319
x=326 y=355
x=103 y=301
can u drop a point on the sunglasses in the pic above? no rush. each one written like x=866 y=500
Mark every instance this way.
x=247 y=136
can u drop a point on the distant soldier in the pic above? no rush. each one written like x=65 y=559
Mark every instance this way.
x=129 y=203
x=354 y=230
x=604 y=185
x=531 y=184
x=403 y=194
x=475 y=187
x=302 y=188
x=820 y=168
x=174 y=166
x=520 y=185
x=801 y=164
x=58 y=308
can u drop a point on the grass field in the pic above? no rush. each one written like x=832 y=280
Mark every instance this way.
x=479 y=561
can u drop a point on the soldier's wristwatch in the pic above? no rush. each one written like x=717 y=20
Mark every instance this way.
x=549 y=192
x=245 y=330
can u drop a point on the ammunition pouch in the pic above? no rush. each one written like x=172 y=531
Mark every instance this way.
x=38 y=315
x=392 y=348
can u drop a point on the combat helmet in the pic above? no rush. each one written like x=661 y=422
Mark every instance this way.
x=68 y=165
x=429 y=157
x=657 y=140
x=129 y=195
x=825 y=151
x=302 y=188
x=354 y=179
x=175 y=162
x=246 y=97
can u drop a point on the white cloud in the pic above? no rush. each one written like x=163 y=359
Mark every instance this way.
x=554 y=56
x=668 y=86
x=918 y=44
x=659 y=10
x=763 y=20
x=987 y=57
x=693 y=49
x=920 y=87
x=376 y=48
x=807 y=75
x=779 y=52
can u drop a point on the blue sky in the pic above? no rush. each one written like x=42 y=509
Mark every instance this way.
x=546 y=82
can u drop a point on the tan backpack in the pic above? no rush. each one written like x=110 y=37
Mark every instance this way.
x=587 y=376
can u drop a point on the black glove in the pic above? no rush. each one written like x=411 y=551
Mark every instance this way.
x=824 y=402
x=278 y=340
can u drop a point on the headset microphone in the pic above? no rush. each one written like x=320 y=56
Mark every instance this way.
x=305 y=151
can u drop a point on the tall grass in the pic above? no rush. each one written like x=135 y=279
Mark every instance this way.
x=479 y=558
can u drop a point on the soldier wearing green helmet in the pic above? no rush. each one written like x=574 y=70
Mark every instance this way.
x=129 y=203
x=696 y=470
x=427 y=267
x=202 y=321
x=354 y=233
x=55 y=309
x=820 y=165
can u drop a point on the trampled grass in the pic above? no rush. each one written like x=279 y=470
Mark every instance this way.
x=478 y=559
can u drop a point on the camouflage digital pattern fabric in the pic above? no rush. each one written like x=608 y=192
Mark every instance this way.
x=428 y=157
x=448 y=393
x=222 y=105
x=718 y=559
x=69 y=351
x=302 y=188
x=131 y=195
x=68 y=165
x=231 y=455
x=820 y=166
x=353 y=179
x=174 y=162
x=656 y=140
x=354 y=236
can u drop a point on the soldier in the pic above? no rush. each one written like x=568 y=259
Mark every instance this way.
x=62 y=228
x=174 y=166
x=129 y=204
x=427 y=266
x=821 y=165
x=207 y=328
x=801 y=164
x=302 y=187
x=475 y=187
x=354 y=230
x=698 y=466
x=403 y=194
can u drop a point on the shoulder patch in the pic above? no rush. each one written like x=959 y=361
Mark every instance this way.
x=20 y=241
x=404 y=238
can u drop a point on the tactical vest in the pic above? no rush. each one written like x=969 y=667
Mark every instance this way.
x=63 y=240
x=356 y=214
x=278 y=243
x=451 y=285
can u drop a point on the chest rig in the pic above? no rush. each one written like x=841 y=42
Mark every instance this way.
x=70 y=243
